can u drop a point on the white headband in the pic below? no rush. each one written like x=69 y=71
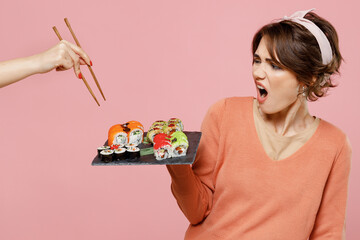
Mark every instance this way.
x=324 y=44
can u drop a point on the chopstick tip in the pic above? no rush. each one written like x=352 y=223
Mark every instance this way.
x=67 y=22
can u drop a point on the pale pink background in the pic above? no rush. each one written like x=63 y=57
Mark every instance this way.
x=155 y=60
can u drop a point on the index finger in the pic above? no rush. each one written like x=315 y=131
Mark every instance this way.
x=79 y=51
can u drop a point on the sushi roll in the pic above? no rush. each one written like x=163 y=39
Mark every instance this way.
x=120 y=154
x=161 y=126
x=133 y=152
x=107 y=155
x=134 y=131
x=179 y=148
x=129 y=145
x=135 y=124
x=179 y=144
x=178 y=135
x=116 y=146
x=120 y=138
x=152 y=132
x=177 y=122
x=125 y=127
x=171 y=128
x=161 y=137
x=118 y=134
x=162 y=149
x=158 y=124
x=136 y=136
x=99 y=149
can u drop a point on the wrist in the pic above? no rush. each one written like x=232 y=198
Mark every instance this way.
x=40 y=63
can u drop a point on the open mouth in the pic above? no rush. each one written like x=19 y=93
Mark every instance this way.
x=262 y=90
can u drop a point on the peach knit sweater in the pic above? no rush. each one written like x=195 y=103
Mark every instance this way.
x=235 y=191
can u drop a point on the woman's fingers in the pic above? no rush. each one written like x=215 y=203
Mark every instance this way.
x=79 y=51
x=76 y=63
x=62 y=56
x=71 y=58
x=82 y=62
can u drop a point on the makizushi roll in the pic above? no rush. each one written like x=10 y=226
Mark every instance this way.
x=120 y=138
x=161 y=137
x=116 y=146
x=118 y=134
x=136 y=136
x=162 y=149
x=178 y=134
x=131 y=132
x=177 y=122
x=120 y=154
x=152 y=132
x=136 y=133
x=179 y=144
x=107 y=155
x=135 y=124
x=129 y=145
x=171 y=128
x=158 y=123
x=133 y=152
x=99 y=149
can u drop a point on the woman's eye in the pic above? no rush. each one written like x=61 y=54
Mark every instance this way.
x=256 y=61
x=276 y=67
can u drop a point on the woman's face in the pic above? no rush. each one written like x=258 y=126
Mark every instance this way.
x=277 y=88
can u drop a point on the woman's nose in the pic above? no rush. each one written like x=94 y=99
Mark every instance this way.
x=259 y=71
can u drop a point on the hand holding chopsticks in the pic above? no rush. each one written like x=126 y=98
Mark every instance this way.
x=88 y=64
x=62 y=56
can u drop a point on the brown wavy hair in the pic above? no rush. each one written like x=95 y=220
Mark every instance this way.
x=297 y=50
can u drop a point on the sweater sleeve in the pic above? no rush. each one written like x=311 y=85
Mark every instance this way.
x=193 y=187
x=330 y=219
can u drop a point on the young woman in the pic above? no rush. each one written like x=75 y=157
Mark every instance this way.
x=62 y=56
x=266 y=168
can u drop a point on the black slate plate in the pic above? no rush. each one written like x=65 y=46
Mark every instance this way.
x=193 y=138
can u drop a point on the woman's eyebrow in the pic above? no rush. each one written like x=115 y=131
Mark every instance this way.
x=267 y=59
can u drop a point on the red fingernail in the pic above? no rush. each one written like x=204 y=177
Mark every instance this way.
x=90 y=63
x=80 y=76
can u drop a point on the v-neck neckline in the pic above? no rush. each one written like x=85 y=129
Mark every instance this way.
x=293 y=155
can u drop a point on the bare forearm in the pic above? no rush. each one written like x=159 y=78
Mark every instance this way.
x=14 y=70
x=62 y=56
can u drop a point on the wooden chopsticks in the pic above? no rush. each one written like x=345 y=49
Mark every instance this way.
x=90 y=68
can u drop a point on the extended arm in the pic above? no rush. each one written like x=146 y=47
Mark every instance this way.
x=193 y=187
x=62 y=56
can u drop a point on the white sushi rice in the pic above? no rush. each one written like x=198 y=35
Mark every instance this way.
x=103 y=147
x=178 y=150
x=107 y=152
x=162 y=153
x=120 y=138
x=136 y=136
x=133 y=149
x=119 y=150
